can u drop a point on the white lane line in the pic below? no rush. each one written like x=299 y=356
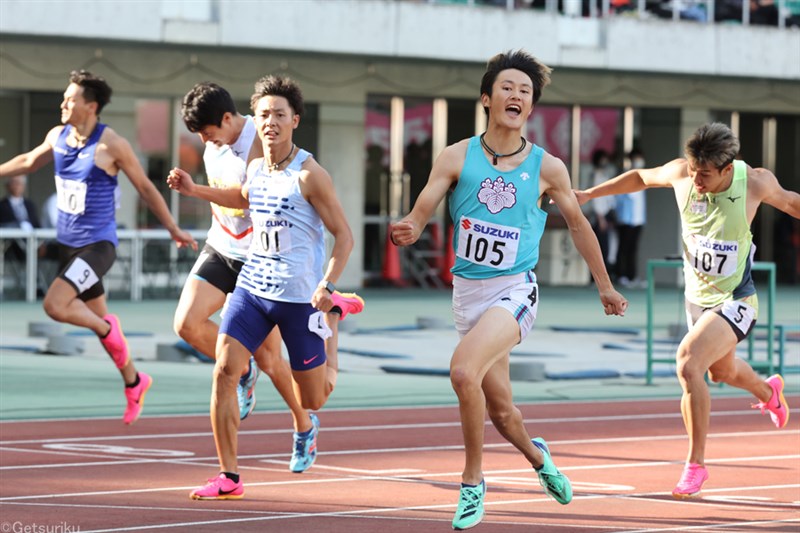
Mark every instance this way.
x=371 y=513
x=666 y=398
x=317 y=466
x=382 y=427
x=737 y=525
x=415 y=449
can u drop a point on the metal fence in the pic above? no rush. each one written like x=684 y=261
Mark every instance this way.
x=148 y=264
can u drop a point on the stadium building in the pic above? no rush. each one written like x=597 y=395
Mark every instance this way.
x=388 y=84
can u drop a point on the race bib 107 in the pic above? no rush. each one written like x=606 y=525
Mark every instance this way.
x=713 y=257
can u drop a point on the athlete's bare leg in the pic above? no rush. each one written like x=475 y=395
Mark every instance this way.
x=314 y=387
x=487 y=343
x=61 y=303
x=232 y=358
x=710 y=345
x=505 y=416
x=199 y=301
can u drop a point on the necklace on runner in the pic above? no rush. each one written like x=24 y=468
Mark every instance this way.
x=275 y=166
x=495 y=155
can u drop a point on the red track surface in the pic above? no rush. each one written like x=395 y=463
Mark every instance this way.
x=398 y=470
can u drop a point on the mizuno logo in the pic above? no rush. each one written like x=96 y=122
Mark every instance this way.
x=309 y=361
x=733 y=198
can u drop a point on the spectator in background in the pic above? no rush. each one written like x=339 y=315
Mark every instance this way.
x=16 y=211
x=603 y=208
x=764 y=12
x=631 y=212
x=50 y=212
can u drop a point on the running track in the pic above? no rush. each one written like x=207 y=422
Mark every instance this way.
x=397 y=470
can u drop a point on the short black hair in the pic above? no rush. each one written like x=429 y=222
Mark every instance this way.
x=95 y=88
x=712 y=144
x=279 y=86
x=538 y=72
x=206 y=105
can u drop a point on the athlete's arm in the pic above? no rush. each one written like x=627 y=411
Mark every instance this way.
x=444 y=174
x=181 y=181
x=635 y=180
x=34 y=160
x=124 y=158
x=317 y=187
x=764 y=187
x=555 y=183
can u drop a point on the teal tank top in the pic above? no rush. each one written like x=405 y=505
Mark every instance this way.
x=498 y=224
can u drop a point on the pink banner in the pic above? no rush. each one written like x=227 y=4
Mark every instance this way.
x=551 y=128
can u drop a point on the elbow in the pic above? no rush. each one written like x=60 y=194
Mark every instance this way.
x=349 y=243
x=345 y=242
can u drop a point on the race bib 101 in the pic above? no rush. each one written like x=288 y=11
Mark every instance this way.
x=487 y=244
x=271 y=237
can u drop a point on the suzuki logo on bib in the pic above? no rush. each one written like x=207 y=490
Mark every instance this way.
x=496 y=195
x=466 y=224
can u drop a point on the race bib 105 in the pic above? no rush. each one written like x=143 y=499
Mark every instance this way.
x=484 y=243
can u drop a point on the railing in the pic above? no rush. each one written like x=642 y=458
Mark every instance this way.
x=769 y=326
x=785 y=12
x=137 y=271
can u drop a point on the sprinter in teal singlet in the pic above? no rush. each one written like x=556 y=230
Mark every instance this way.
x=88 y=156
x=499 y=181
x=717 y=197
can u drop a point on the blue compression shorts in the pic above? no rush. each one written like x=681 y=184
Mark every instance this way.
x=249 y=319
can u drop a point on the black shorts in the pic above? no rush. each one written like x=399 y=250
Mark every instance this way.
x=84 y=267
x=216 y=269
x=739 y=314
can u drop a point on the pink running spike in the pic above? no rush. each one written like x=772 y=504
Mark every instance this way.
x=219 y=488
x=135 y=397
x=778 y=410
x=346 y=303
x=692 y=479
x=115 y=343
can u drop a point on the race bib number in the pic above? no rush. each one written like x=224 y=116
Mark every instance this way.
x=81 y=275
x=714 y=258
x=739 y=314
x=487 y=244
x=70 y=196
x=271 y=237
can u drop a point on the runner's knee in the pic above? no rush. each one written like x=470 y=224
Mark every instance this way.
x=225 y=373
x=184 y=328
x=688 y=369
x=462 y=380
x=269 y=362
x=504 y=417
x=313 y=402
x=55 y=310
